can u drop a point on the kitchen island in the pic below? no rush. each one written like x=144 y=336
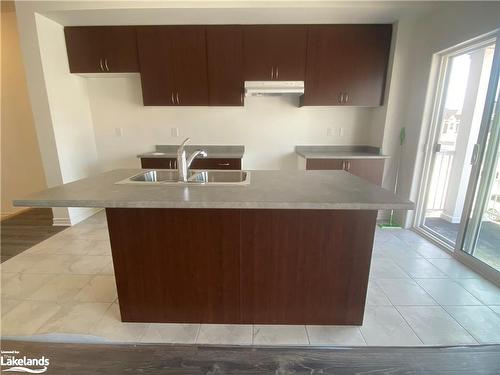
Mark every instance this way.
x=289 y=247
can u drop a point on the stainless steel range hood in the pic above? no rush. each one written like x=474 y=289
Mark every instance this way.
x=273 y=88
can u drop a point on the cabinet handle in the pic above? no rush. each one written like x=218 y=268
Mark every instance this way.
x=272 y=72
x=346 y=98
x=341 y=97
x=277 y=74
x=100 y=64
x=343 y=165
x=106 y=64
x=224 y=164
x=172 y=98
x=177 y=97
x=170 y=164
x=348 y=166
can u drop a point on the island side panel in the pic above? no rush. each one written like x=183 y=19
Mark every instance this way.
x=176 y=265
x=305 y=266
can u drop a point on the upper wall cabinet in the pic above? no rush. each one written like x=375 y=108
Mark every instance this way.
x=346 y=65
x=101 y=49
x=225 y=65
x=274 y=52
x=173 y=65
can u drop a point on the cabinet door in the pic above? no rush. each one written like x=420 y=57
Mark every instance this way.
x=370 y=169
x=257 y=53
x=346 y=64
x=289 y=46
x=121 y=49
x=85 y=47
x=155 y=57
x=225 y=65
x=189 y=58
x=324 y=71
x=97 y=49
x=274 y=52
x=367 y=55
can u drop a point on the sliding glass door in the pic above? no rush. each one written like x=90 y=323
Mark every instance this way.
x=460 y=202
x=456 y=127
x=481 y=232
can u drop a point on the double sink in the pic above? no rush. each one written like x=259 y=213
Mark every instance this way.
x=195 y=177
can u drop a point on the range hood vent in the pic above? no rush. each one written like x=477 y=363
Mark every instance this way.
x=273 y=88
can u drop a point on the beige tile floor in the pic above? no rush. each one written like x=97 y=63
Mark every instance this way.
x=64 y=289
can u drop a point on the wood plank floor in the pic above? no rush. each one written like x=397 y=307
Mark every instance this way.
x=22 y=231
x=79 y=359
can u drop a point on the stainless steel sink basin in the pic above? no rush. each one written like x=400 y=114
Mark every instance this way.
x=195 y=177
x=219 y=177
x=156 y=176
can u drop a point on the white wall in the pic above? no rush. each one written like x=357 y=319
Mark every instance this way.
x=433 y=33
x=21 y=165
x=269 y=127
x=60 y=107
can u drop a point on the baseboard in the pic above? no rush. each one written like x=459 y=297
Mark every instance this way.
x=8 y=215
x=76 y=215
x=61 y=221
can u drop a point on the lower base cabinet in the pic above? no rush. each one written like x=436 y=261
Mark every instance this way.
x=370 y=169
x=241 y=266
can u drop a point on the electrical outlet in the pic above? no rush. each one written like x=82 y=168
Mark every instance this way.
x=174 y=132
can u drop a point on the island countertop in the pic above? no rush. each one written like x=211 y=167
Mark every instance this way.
x=267 y=190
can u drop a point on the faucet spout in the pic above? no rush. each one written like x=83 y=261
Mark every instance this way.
x=183 y=164
x=203 y=153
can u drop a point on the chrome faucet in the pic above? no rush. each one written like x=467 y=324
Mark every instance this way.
x=183 y=164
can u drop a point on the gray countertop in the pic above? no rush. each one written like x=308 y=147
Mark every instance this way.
x=213 y=152
x=267 y=190
x=339 y=152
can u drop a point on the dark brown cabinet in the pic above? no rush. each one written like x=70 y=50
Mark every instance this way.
x=225 y=65
x=346 y=64
x=173 y=65
x=274 y=52
x=199 y=163
x=101 y=49
x=370 y=169
x=207 y=65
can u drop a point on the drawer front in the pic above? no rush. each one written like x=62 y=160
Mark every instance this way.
x=199 y=163
x=160 y=163
x=210 y=163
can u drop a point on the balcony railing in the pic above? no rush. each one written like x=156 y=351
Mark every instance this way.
x=440 y=176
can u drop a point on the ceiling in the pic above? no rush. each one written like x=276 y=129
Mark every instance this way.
x=75 y=13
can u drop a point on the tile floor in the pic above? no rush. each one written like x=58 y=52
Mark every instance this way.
x=64 y=289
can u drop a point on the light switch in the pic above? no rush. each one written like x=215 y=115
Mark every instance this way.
x=174 y=132
x=119 y=132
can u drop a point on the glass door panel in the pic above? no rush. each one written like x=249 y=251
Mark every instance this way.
x=482 y=233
